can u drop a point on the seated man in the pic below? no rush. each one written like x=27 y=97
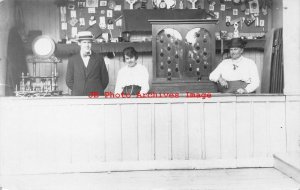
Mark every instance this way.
x=237 y=74
x=133 y=78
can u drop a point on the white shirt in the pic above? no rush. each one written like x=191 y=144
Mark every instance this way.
x=245 y=70
x=85 y=59
x=137 y=75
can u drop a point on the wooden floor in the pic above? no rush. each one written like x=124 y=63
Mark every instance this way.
x=221 y=179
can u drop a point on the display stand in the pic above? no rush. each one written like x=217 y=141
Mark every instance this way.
x=37 y=85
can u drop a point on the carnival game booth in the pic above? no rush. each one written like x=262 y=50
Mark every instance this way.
x=211 y=141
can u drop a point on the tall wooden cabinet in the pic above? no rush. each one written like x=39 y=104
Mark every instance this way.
x=183 y=54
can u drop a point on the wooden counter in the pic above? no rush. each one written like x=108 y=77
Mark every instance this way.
x=80 y=134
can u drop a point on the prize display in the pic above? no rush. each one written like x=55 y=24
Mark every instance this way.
x=103 y=17
x=35 y=84
x=193 y=3
x=164 y=4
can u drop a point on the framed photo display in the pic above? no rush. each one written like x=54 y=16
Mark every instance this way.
x=92 y=3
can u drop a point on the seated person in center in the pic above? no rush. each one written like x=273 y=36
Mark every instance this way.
x=133 y=78
x=237 y=74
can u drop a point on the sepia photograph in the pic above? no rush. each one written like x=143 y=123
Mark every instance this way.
x=149 y=95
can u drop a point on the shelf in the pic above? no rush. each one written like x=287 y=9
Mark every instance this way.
x=69 y=49
x=38 y=93
x=258 y=44
x=132 y=23
x=42 y=77
x=63 y=50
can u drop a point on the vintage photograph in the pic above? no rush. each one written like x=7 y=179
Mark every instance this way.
x=149 y=95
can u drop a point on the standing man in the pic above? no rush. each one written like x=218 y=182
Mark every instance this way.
x=237 y=74
x=86 y=71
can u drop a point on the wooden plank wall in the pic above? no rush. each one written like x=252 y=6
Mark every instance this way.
x=7 y=18
x=89 y=135
x=41 y=15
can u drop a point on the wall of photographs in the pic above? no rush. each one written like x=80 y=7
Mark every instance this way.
x=103 y=18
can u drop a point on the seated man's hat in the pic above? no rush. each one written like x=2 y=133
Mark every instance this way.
x=237 y=42
x=85 y=35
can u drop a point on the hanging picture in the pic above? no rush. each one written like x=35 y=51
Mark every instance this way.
x=73 y=13
x=109 y=13
x=235 y=11
x=91 y=10
x=64 y=26
x=92 y=3
x=81 y=4
x=63 y=14
x=103 y=3
x=71 y=6
x=81 y=21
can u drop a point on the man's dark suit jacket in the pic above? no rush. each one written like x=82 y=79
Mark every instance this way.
x=82 y=80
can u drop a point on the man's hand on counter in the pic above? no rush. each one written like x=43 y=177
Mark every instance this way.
x=223 y=82
x=241 y=91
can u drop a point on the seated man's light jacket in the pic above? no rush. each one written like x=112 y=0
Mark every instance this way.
x=243 y=69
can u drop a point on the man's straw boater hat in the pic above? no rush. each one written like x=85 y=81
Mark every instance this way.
x=237 y=42
x=85 y=35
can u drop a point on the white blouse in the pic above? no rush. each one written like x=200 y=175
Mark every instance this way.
x=243 y=69
x=137 y=75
